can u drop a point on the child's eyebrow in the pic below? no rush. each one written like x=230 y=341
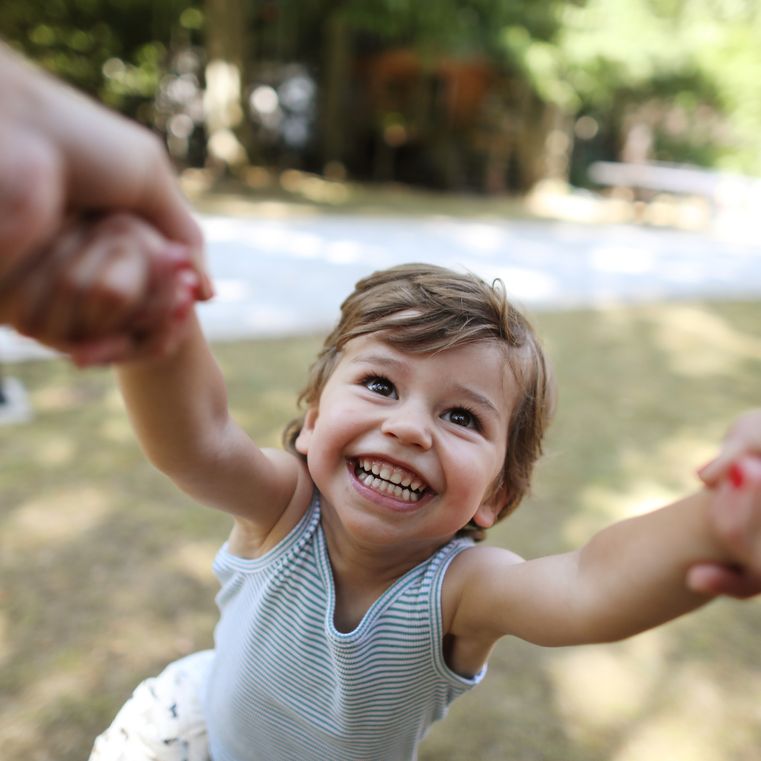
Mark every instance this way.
x=377 y=359
x=476 y=398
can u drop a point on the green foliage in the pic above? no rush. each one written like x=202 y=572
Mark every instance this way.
x=113 y=49
x=541 y=63
x=689 y=68
x=453 y=26
x=696 y=62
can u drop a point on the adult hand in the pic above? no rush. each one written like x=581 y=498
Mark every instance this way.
x=63 y=153
x=112 y=289
x=735 y=515
x=712 y=579
x=743 y=437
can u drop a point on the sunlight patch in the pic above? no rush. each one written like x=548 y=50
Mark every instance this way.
x=605 y=687
x=696 y=727
x=601 y=506
x=6 y=648
x=117 y=430
x=194 y=559
x=56 y=518
x=685 y=333
x=55 y=449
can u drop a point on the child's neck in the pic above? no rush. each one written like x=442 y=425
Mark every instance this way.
x=361 y=573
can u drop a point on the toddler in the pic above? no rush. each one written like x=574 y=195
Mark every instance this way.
x=356 y=602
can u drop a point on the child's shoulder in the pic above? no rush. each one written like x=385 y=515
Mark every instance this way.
x=470 y=571
x=479 y=562
x=466 y=584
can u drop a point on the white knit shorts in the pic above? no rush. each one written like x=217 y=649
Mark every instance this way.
x=163 y=720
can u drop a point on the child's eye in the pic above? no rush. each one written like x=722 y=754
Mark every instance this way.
x=379 y=385
x=463 y=417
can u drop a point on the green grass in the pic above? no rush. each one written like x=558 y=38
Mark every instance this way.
x=106 y=568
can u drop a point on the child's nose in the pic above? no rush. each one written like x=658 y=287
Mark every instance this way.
x=410 y=425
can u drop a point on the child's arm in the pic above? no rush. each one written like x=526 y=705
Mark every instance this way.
x=178 y=406
x=626 y=579
x=100 y=280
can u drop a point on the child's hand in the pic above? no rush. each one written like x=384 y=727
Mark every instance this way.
x=106 y=290
x=735 y=516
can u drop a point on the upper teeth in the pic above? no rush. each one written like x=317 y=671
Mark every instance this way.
x=390 y=479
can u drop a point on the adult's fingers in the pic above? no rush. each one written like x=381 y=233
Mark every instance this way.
x=743 y=437
x=717 y=469
x=735 y=512
x=713 y=579
x=31 y=195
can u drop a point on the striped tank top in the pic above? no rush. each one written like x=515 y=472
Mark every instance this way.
x=287 y=686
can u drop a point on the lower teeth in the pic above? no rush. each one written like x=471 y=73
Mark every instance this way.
x=386 y=487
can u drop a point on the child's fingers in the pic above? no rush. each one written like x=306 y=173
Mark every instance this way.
x=123 y=248
x=89 y=280
x=113 y=277
x=106 y=291
x=74 y=295
x=102 y=351
x=174 y=287
x=165 y=336
x=162 y=338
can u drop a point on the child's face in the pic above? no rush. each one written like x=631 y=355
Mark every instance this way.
x=406 y=448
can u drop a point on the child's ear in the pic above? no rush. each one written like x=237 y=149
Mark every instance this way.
x=305 y=434
x=487 y=513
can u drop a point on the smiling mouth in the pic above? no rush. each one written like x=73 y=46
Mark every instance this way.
x=388 y=479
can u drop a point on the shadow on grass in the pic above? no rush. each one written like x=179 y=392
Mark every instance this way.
x=106 y=568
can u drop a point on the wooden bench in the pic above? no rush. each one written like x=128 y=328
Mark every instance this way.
x=719 y=189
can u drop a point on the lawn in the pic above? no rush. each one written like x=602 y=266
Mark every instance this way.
x=106 y=568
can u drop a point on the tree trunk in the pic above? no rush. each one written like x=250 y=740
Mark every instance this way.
x=336 y=63
x=226 y=36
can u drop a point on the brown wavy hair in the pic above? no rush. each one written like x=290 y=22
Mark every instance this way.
x=422 y=308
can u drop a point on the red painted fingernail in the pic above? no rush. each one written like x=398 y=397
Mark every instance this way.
x=736 y=476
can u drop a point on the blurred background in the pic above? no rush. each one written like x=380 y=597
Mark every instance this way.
x=602 y=157
x=484 y=96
